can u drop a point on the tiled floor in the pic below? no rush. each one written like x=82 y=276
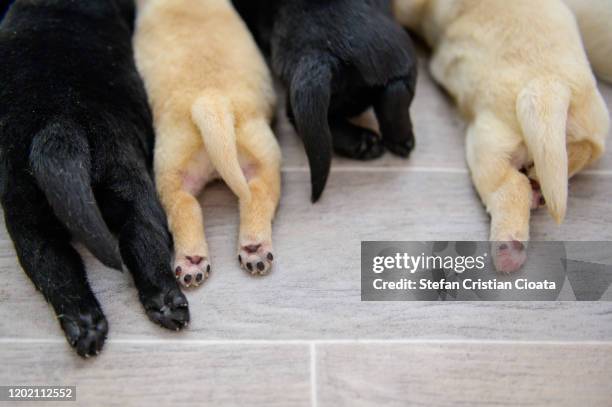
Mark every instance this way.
x=301 y=336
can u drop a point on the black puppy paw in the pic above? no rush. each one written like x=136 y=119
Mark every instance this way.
x=168 y=309
x=402 y=149
x=371 y=146
x=360 y=144
x=85 y=331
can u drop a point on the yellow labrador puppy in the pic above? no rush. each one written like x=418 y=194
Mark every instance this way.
x=520 y=75
x=595 y=22
x=213 y=100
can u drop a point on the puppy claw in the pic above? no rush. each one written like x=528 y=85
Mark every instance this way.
x=256 y=259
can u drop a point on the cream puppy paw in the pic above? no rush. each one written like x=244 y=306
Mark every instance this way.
x=256 y=258
x=191 y=271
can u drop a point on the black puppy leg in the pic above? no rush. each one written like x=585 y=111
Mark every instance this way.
x=56 y=269
x=130 y=207
x=392 y=109
x=355 y=142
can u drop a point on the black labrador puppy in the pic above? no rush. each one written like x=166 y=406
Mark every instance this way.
x=76 y=142
x=337 y=58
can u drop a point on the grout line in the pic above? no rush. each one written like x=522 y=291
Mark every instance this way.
x=313 y=375
x=410 y=169
x=382 y=169
x=596 y=172
x=313 y=342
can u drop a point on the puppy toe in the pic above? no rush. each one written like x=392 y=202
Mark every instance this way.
x=509 y=256
x=191 y=271
x=256 y=259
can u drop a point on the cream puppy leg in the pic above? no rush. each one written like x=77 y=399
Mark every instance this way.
x=182 y=170
x=262 y=168
x=245 y=153
x=505 y=191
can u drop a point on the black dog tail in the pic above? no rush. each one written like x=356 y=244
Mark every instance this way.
x=310 y=95
x=60 y=162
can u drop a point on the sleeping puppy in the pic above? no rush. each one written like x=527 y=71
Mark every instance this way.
x=535 y=115
x=337 y=58
x=213 y=101
x=76 y=144
x=594 y=17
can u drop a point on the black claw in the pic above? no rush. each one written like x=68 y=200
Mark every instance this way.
x=261 y=266
x=239 y=258
x=188 y=278
x=270 y=256
x=199 y=277
x=250 y=266
x=208 y=268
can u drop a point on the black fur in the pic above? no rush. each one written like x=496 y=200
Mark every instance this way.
x=337 y=58
x=76 y=144
x=4 y=6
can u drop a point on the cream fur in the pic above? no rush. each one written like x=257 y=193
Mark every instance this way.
x=595 y=22
x=213 y=100
x=519 y=74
